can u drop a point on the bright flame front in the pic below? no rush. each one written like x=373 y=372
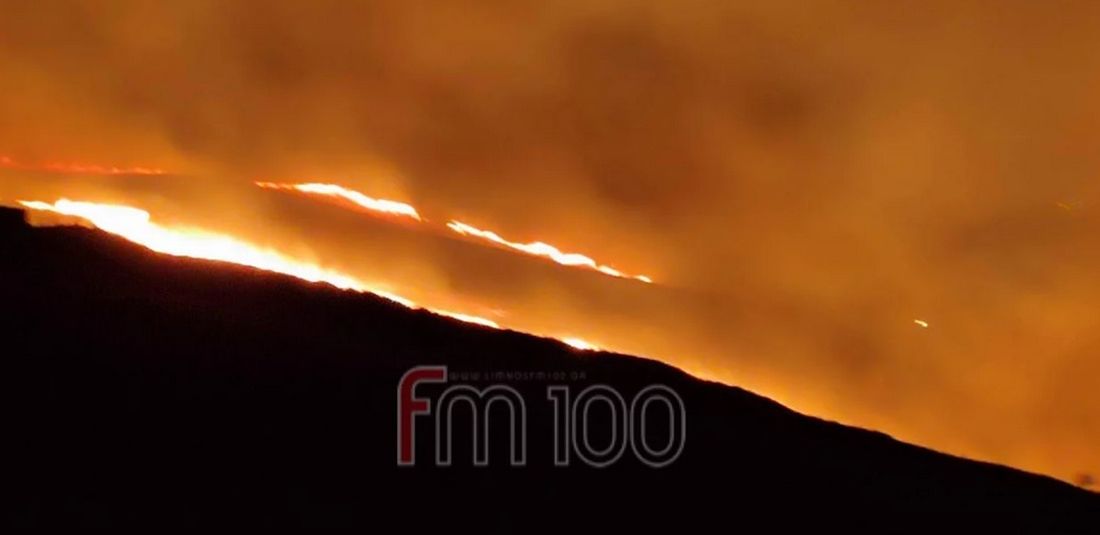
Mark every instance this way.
x=381 y=206
x=577 y=343
x=137 y=226
x=539 y=249
x=543 y=250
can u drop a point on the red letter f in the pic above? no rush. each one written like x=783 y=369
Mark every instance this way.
x=408 y=406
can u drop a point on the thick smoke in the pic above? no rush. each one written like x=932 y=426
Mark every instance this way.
x=803 y=179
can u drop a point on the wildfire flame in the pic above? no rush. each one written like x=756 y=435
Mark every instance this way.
x=467 y=318
x=137 y=226
x=544 y=250
x=577 y=343
x=539 y=249
x=78 y=168
x=358 y=199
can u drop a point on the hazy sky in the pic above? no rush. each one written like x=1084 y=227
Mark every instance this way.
x=803 y=179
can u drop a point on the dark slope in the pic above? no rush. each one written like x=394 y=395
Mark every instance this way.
x=155 y=391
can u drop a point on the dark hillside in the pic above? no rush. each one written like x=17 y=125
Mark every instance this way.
x=164 y=392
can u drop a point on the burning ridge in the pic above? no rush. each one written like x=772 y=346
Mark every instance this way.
x=384 y=207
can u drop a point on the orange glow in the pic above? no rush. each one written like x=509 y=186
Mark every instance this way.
x=382 y=206
x=137 y=226
x=77 y=168
x=468 y=318
x=544 y=250
x=577 y=343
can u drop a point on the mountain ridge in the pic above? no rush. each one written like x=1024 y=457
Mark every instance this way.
x=153 y=387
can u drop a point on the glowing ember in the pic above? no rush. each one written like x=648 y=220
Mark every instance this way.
x=577 y=343
x=468 y=318
x=78 y=168
x=544 y=250
x=136 y=225
x=339 y=192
